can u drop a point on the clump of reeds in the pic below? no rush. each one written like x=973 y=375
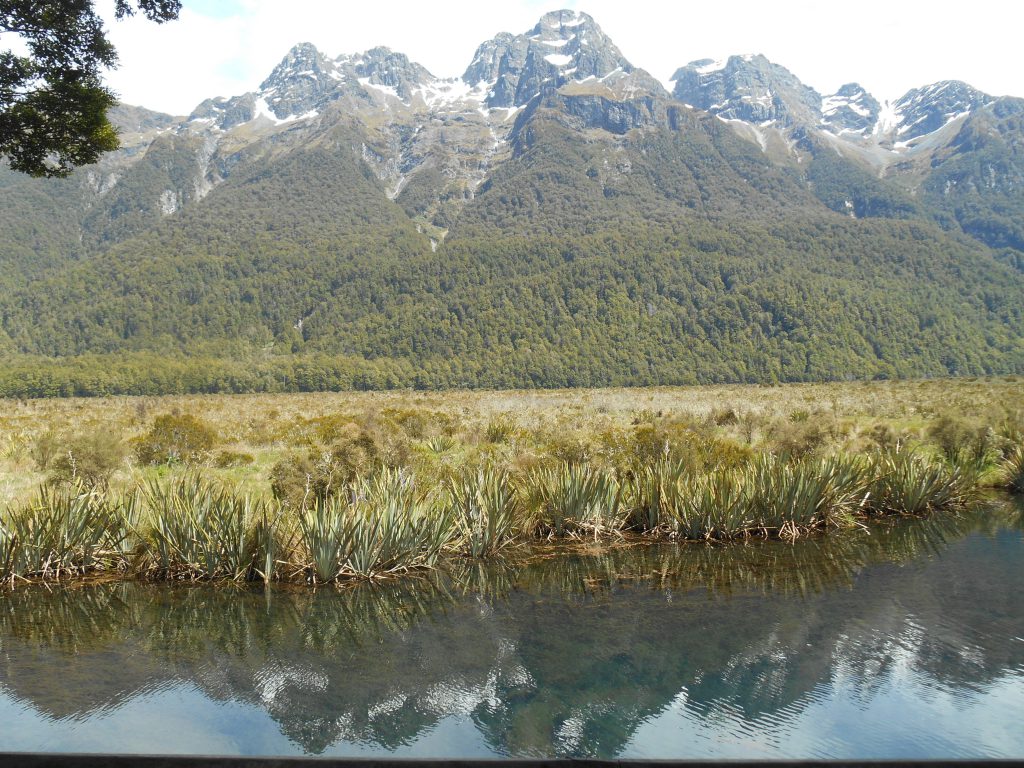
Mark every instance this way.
x=486 y=508
x=715 y=505
x=657 y=492
x=573 y=499
x=905 y=482
x=64 y=531
x=768 y=496
x=383 y=525
x=197 y=530
x=790 y=498
x=1013 y=470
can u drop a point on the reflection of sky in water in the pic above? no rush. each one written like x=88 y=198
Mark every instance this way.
x=903 y=719
x=909 y=643
x=181 y=719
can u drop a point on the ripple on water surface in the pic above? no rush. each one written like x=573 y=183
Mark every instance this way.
x=903 y=643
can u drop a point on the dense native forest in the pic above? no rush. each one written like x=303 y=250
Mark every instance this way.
x=679 y=255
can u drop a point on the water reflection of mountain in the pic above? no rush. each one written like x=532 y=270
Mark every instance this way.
x=566 y=655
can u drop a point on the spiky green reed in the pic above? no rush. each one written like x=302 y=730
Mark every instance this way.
x=574 y=499
x=383 y=525
x=905 y=482
x=1013 y=470
x=62 y=532
x=768 y=496
x=197 y=530
x=486 y=508
x=657 y=492
x=387 y=524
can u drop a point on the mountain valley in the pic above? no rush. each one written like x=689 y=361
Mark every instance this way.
x=554 y=217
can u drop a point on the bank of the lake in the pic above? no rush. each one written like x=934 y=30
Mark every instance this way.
x=904 y=641
x=389 y=524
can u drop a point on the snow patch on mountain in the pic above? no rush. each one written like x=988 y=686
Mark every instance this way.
x=388 y=90
x=707 y=66
x=832 y=104
x=558 y=59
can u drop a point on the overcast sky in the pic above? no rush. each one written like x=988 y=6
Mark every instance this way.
x=227 y=47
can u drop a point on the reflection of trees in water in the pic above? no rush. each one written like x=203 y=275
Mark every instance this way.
x=558 y=653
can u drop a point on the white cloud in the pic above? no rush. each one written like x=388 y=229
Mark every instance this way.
x=218 y=49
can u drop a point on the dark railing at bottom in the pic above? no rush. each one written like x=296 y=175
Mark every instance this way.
x=61 y=760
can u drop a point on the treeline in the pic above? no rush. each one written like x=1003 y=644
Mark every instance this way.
x=153 y=374
x=686 y=258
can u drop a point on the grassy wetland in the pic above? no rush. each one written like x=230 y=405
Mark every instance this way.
x=332 y=487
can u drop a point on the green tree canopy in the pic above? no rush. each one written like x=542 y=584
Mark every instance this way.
x=53 y=104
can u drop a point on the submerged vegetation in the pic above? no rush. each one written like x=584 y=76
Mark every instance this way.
x=395 y=486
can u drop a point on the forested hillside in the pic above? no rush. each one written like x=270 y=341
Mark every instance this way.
x=593 y=231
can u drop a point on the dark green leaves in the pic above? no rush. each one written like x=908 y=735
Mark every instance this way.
x=53 y=105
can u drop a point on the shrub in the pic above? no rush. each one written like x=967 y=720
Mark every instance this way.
x=90 y=459
x=674 y=439
x=501 y=428
x=801 y=438
x=302 y=480
x=45 y=448
x=227 y=459
x=973 y=447
x=174 y=438
x=724 y=417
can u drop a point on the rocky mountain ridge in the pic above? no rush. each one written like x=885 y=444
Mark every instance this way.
x=555 y=216
x=460 y=129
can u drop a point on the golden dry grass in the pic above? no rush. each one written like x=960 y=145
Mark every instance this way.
x=271 y=427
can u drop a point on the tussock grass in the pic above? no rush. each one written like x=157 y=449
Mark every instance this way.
x=382 y=526
x=367 y=485
x=385 y=524
x=63 y=532
x=908 y=483
x=198 y=530
x=657 y=493
x=1013 y=470
x=573 y=499
x=487 y=509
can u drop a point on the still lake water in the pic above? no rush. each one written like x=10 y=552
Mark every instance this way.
x=908 y=642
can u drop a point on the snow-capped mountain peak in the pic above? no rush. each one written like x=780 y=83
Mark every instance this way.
x=850 y=110
x=391 y=72
x=748 y=88
x=929 y=108
x=298 y=83
x=564 y=45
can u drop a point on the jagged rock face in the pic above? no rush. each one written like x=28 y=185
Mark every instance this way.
x=850 y=110
x=294 y=89
x=564 y=45
x=389 y=70
x=441 y=139
x=299 y=83
x=925 y=110
x=753 y=90
x=225 y=114
x=748 y=88
x=608 y=114
x=305 y=80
